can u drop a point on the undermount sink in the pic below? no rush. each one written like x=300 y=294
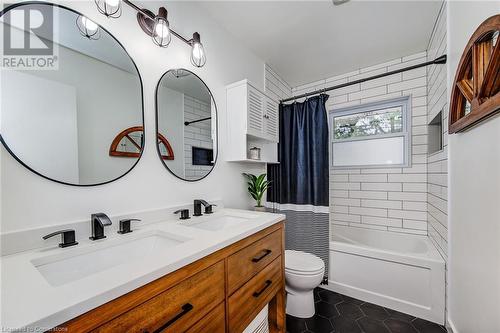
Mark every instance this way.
x=63 y=268
x=220 y=222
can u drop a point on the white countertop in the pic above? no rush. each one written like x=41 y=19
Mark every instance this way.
x=28 y=300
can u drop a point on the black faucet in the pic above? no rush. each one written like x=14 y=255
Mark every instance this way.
x=184 y=213
x=197 y=207
x=67 y=237
x=97 y=223
x=208 y=208
x=125 y=226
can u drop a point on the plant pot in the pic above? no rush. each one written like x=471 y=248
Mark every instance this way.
x=260 y=208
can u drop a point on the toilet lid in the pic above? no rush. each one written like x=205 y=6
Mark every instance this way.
x=302 y=261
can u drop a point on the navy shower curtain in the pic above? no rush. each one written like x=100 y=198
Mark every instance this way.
x=300 y=182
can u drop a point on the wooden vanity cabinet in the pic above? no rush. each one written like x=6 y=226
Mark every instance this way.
x=222 y=292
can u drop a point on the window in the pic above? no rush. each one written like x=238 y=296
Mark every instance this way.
x=378 y=122
x=371 y=135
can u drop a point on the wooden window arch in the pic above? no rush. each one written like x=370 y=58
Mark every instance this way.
x=114 y=149
x=475 y=93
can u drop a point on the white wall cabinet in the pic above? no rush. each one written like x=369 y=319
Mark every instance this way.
x=262 y=112
x=252 y=121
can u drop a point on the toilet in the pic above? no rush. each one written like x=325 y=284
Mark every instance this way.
x=303 y=272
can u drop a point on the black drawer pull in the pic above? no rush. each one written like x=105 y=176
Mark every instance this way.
x=266 y=253
x=257 y=293
x=185 y=309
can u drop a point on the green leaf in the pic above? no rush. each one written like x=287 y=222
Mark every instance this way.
x=257 y=185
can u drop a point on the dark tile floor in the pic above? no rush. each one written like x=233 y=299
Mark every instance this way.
x=342 y=314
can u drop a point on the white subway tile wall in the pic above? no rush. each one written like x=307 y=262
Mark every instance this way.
x=437 y=163
x=196 y=135
x=275 y=86
x=408 y=200
x=390 y=199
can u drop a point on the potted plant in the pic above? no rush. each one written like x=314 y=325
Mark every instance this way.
x=257 y=186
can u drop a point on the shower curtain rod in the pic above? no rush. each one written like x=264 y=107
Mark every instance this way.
x=439 y=60
x=187 y=123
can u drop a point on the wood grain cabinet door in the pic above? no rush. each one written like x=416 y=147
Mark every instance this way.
x=214 y=322
x=176 y=309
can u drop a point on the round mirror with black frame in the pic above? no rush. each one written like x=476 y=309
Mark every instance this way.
x=186 y=115
x=69 y=90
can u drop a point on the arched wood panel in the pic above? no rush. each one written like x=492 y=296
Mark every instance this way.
x=114 y=148
x=475 y=94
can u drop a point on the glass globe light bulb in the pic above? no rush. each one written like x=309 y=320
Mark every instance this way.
x=198 y=57
x=112 y=3
x=90 y=25
x=161 y=29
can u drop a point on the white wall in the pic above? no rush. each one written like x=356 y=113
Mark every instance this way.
x=171 y=125
x=41 y=129
x=437 y=163
x=33 y=201
x=388 y=199
x=276 y=87
x=474 y=178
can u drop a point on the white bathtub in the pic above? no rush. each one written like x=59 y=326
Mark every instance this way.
x=399 y=271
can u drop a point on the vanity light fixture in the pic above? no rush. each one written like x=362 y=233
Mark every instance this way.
x=87 y=27
x=161 y=29
x=156 y=26
x=109 y=8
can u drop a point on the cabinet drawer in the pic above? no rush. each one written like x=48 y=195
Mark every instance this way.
x=175 y=309
x=249 y=261
x=214 y=322
x=247 y=301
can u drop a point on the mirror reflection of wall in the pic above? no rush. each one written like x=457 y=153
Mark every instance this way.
x=186 y=116
x=60 y=122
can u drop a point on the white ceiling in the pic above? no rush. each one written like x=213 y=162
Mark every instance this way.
x=190 y=85
x=305 y=41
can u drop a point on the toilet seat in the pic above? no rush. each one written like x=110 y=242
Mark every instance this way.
x=303 y=273
x=302 y=263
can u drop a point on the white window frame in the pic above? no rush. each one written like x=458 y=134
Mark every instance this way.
x=403 y=102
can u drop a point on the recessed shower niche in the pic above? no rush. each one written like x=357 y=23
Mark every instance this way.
x=435 y=131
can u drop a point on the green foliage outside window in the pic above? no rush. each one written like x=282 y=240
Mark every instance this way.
x=378 y=122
